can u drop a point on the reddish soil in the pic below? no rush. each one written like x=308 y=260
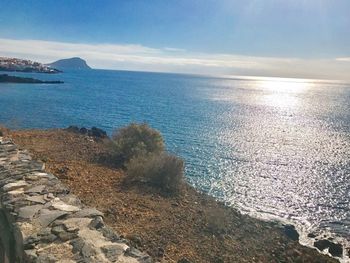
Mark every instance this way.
x=190 y=226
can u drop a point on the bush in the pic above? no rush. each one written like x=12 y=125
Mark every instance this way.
x=162 y=170
x=136 y=140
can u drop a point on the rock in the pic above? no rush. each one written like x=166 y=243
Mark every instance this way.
x=46 y=236
x=45 y=258
x=13 y=186
x=160 y=252
x=311 y=235
x=336 y=250
x=97 y=133
x=112 y=252
x=28 y=212
x=136 y=239
x=88 y=212
x=87 y=251
x=72 y=128
x=290 y=232
x=30 y=255
x=77 y=244
x=133 y=252
x=96 y=223
x=58 y=229
x=83 y=130
x=36 y=199
x=36 y=189
x=17 y=192
x=31 y=241
x=59 y=205
x=64 y=236
x=46 y=216
x=93 y=132
x=13 y=79
x=108 y=233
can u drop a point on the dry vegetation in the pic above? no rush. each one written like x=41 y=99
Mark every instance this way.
x=189 y=226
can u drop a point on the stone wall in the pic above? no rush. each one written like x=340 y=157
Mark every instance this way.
x=41 y=221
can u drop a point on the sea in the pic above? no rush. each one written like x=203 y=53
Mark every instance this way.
x=274 y=148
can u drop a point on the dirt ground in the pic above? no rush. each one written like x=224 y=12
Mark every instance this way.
x=191 y=226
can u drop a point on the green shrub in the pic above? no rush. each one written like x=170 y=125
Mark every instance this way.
x=135 y=140
x=162 y=170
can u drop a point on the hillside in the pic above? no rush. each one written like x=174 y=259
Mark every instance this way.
x=24 y=65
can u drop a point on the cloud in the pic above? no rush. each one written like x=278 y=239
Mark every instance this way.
x=139 y=57
x=172 y=49
x=344 y=59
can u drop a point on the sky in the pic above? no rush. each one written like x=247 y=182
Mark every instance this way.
x=283 y=38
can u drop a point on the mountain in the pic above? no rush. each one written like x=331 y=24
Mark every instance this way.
x=70 y=63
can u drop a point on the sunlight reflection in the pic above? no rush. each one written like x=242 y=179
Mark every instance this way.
x=283 y=93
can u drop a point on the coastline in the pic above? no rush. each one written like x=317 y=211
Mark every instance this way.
x=169 y=229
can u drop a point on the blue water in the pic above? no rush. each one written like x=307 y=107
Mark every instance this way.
x=274 y=148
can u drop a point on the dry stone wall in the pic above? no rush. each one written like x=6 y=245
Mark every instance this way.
x=41 y=221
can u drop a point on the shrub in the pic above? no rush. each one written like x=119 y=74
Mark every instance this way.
x=135 y=140
x=162 y=170
x=218 y=222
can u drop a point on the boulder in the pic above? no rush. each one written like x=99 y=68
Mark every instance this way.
x=335 y=249
x=291 y=232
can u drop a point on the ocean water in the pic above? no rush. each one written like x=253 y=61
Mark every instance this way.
x=274 y=148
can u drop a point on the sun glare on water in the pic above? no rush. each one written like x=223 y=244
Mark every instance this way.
x=282 y=93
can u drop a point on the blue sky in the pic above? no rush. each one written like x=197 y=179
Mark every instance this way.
x=267 y=37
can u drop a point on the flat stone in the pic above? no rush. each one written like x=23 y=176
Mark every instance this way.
x=112 y=252
x=36 y=189
x=12 y=186
x=28 y=212
x=36 y=199
x=59 y=205
x=46 y=216
x=16 y=192
x=88 y=212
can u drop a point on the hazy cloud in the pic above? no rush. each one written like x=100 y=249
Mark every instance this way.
x=344 y=59
x=139 y=57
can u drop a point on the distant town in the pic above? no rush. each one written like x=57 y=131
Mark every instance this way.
x=22 y=65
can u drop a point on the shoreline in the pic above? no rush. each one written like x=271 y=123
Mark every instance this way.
x=29 y=138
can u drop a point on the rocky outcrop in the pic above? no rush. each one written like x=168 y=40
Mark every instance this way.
x=13 y=79
x=93 y=132
x=335 y=249
x=41 y=221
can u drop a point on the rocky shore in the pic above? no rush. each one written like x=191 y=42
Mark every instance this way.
x=192 y=227
x=13 y=79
